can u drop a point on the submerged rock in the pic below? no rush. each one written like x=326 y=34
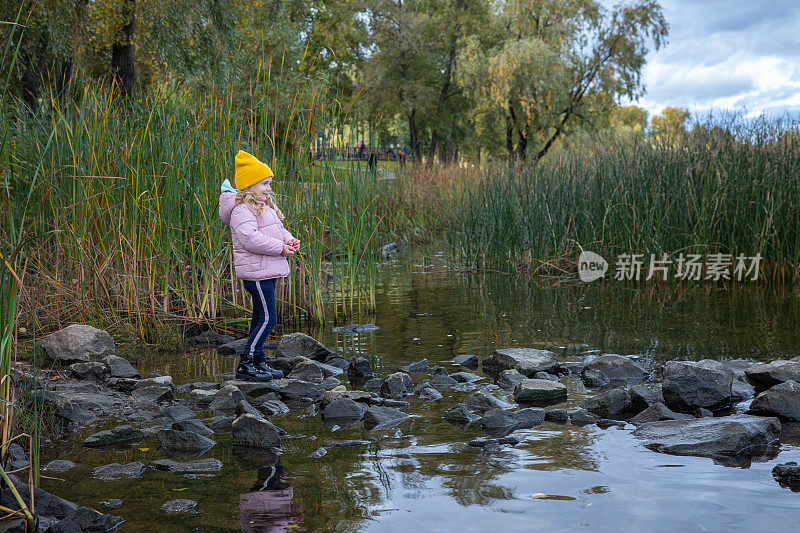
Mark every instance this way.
x=201 y=465
x=484 y=442
x=118 y=435
x=787 y=475
x=178 y=506
x=78 y=343
x=58 y=465
x=500 y=421
x=86 y=519
x=461 y=415
x=465 y=377
x=183 y=441
x=379 y=417
x=709 y=437
x=526 y=361
x=114 y=471
x=688 y=385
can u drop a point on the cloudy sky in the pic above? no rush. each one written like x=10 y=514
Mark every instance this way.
x=727 y=55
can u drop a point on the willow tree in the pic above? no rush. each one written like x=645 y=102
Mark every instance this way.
x=542 y=67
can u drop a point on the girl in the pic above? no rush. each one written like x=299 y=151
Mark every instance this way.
x=261 y=246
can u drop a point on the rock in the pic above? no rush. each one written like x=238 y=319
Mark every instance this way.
x=307 y=370
x=175 y=413
x=442 y=382
x=201 y=397
x=460 y=415
x=781 y=400
x=500 y=421
x=787 y=475
x=710 y=437
x=252 y=431
x=232 y=347
x=86 y=519
x=183 y=441
x=389 y=402
x=483 y=442
x=741 y=391
x=58 y=465
x=545 y=375
x=226 y=398
x=702 y=413
x=64 y=408
x=118 y=435
x=294 y=389
x=114 y=471
x=193 y=426
x=377 y=417
x=467 y=361
x=113 y=503
x=125 y=385
x=509 y=379
x=249 y=458
x=769 y=374
x=153 y=394
x=688 y=385
x=78 y=343
x=439 y=370
x=390 y=250
x=527 y=361
x=428 y=394
x=465 y=377
x=557 y=416
x=396 y=385
x=119 y=367
x=270 y=408
x=300 y=344
x=244 y=407
x=359 y=369
x=201 y=465
x=344 y=408
x=157 y=381
x=91 y=370
x=582 y=417
x=595 y=379
x=178 y=506
x=355 y=395
x=417 y=368
x=355 y=329
x=540 y=391
x=46 y=504
x=643 y=397
x=349 y=443
x=250 y=388
x=609 y=404
x=319 y=452
x=617 y=368
x=656 y=412
x=17 y=458
x=222 y=423
x=605 y=423
x=372 y=385
x=481 y=401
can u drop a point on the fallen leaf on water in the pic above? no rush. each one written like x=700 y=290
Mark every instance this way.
x=180 y=489
x=144 y=449
x=538 y=495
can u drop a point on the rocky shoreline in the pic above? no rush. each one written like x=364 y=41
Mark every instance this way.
x=732 y=411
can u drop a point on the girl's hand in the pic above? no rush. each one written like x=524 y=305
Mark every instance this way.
x=294 y=243
x=288 y=251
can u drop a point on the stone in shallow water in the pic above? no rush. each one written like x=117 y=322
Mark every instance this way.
x=617 y=368
x=255 y=432
x=481 y=401
x=526 y=361
x=178 y=506
x=465 y=377
x=201 y=465
x=500 y=421
x=769 y=374
x=416 y=368
x=539 y=391
x=118 y=435
x=710 y=437
x=78 y=343
x=114 y=471
x=557 y=416
x=227 y=398
x=643 y=397
x=184 y=441
x=656 y=412
x=509 y=379
x=467 y=361
x=782 y=400
x=688 y=385
x=175 y=413
x=787 y=475
x=609 y=404
x=483 y=442
x=58 y=465
x=378 y=417
x=86 y=519
x=460 y=414
x=344 y=408
x=119 y=367
x=112 y=503
x=582 y=417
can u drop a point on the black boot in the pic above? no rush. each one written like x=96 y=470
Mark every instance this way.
x=265 y=368
x=248 y=371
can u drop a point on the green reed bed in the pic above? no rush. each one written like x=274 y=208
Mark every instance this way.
x=721 y=191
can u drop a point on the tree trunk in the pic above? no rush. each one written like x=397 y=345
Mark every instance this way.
x=123 y=67
x=509 y=138
x=412 y=133
x=522 y=146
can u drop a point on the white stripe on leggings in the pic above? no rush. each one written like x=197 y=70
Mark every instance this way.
x=266 y=318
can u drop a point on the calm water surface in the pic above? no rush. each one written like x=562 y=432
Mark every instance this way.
x=421 y=475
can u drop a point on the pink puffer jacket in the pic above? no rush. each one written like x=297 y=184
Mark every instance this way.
x=257 y=240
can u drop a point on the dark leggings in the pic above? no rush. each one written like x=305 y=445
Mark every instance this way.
x=265 y=317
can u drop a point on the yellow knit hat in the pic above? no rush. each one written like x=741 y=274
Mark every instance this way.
x=249 y=170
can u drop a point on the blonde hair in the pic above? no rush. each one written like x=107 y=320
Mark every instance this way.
x=247 y=196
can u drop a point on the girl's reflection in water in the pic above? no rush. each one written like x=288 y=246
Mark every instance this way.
x=267 y=508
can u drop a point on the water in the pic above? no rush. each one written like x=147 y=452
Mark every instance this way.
x=421 y=475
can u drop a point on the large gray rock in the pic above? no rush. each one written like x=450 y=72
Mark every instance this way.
x=85 y=519
x=201 y=465
x=617 y=368
x=643 y=397
x=160 y=381
x=377 y=417
x=416 y=368
x=540 y=391
x=781 y=400
x=613 y=403
x=710 y=437
x=175 y=413
x=359 y=369
x=118 y=435
x=442 y=382
x=594 y=379
x=184 y=441
x=295 y=389
x=787 y=475
x=396 y=385
x=92 y=370
x=119 y=367
x=688 y=385
x=527 y=361
x=300 y=344
x=481 y=401
x=46 y=504
x=769 y=374
x=251 y=431
x=509 y=379
x=114 y=471
x=270 y=407
x=467 y=361
x=500 y=421
x=64 y=408
x=232 y=347
x=153 y=394
x=741 y=391
x=582 y=417
x=307 y=370
x=193 y=426
x=78 y=343
x=344 y=408
x=201 y=397
x=341 y=392
x=227 y=398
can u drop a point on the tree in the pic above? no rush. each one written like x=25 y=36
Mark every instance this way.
x=546 y=66
x=669 y=128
